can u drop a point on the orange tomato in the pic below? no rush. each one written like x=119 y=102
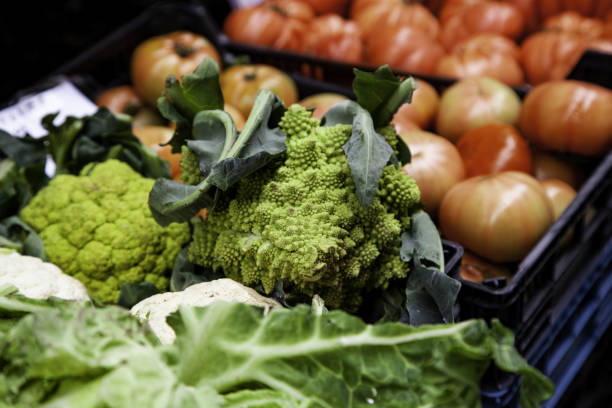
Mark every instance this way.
x=155 y=136
x=494 y=148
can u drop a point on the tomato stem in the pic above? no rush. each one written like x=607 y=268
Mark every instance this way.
x=277 y=9
x=183 y=50
x=251 y=76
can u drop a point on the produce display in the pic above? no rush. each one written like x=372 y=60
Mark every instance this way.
x=212 y=237
x=515 y=42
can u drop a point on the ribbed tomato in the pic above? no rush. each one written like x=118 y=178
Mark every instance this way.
x=322 y=7
x=371 y=15
x=331 y=36
x=154 y=137
x=551 y=55
x=124 y=99
x=321 y=102
x=482 y=17
x=177 y=53
x=499 y=216
x=279 y=24
x=403 y=48
x=240 y=85
x=568 y=116
x=436 y=166
x=573 y=22
x=560 y=195
x=494 y=148
x=420 y=111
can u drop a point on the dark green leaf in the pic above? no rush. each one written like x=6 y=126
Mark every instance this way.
x=198 y=91
x=185 y=273
x=20 y=236
x=382 y=93
x=132 y=293
x=26 y=152
x=342 y=113
x=404 y=156
x=431 y=293
x=61 y=139
x=257 y=144
x=15 y=191
x=367 y=154
x=172 y=201
x=214 y=133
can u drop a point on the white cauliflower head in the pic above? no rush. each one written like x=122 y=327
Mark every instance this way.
x=36 y=279
x=156 y=308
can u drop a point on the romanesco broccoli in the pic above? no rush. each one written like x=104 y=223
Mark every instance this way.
x=98 y=228
x=301 y=221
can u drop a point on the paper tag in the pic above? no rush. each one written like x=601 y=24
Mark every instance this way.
x=25 y=116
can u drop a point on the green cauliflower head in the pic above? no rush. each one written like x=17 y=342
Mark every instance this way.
x=98 y=228
x=302 y=223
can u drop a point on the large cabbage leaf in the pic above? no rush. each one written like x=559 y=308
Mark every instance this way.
x=233 y=355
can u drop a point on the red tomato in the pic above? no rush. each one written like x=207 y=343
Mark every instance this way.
x=475 y=102
x=371 y=15
x=435 y=166
x=476 y=269
x=177 y=54
x=321 y=103
x=549 y=166
x=274 y=23
x=420 y=111
x=573 y=22
x=494 y=148
x=499 y=216
x=403 y=48
x=240 y=85
x=550 y=55
x=462 y=64
x=482 y=17
x=124 y=99
x=568 y=116
x=155 y=136
x=328 y=6
x=559 y=193
x=331 y=36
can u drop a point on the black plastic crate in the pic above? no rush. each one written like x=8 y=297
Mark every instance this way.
x=106 y=64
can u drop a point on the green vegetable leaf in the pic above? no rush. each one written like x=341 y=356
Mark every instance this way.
x=198 y=92
x=15 y=191
x=16 y=234
x=229 y=157
x=185 y=273
x=430 y=293
x=29 y=154
x=132 y=293
x=367 y=152
x=382 y=93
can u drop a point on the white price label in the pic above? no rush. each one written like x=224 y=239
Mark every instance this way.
x=25 y=116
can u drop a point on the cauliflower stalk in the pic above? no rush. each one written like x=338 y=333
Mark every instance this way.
x=98 y=228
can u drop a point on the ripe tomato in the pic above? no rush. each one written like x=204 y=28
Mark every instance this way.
x=240 y=85
x=321 y=103
x=466 y=64
x=420 y=111
x=155 y=136
x=435 y=166
x=551 y=55
x=236 y=116
x=371 y=15
x=321 y=7
x=568 y=116
x=549 y=166
x=494 y=148
x=573 y=22
x=475 y=102
x=123 y=99
x=177 y=53
x=559 y=193
x=403 y=48
x=499 y=216
x=333 y=37
x=482 y=17
x=274 y=23
x=476 y=269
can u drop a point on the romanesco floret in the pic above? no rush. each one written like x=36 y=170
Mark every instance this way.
x=98 y=228
x=301 y=221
